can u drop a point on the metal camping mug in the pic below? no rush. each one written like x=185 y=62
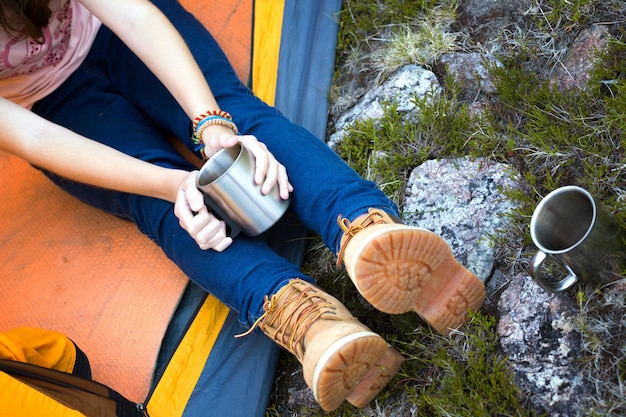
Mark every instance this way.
x=571 y=227
x=227 y=180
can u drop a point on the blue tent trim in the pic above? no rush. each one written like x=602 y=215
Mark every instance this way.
x=306 y=62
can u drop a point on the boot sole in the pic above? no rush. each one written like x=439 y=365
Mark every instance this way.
x=343 y=365
x=400 y=269
x=376 y=379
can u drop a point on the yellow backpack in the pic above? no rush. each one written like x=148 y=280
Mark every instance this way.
x=43 y=373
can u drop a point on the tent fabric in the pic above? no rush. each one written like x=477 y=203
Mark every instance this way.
x=306 y=62
x=95 y=278
x=230 y=22
x=91 y=276
x=283 y=49
x=182 y=372
x=235 y=380
x=266 y=46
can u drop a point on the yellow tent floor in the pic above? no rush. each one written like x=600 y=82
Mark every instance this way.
x=71 y=268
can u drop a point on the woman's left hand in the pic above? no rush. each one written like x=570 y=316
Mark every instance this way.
x=208 y=231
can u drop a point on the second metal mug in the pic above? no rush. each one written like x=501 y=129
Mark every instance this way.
x=227 y=180
x=571 y=227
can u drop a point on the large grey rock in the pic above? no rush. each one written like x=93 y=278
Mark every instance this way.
x=462 y=201
x=537 y=334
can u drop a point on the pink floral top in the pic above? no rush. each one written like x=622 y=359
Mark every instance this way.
x=29 y=71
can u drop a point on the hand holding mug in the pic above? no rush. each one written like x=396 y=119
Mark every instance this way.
x=230 y=181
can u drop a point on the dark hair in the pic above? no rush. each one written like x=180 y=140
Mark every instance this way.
x=24 y=18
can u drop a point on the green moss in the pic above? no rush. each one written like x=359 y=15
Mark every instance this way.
x=602 y=325
x=454 y=131
x=384 y=150
x=568 y=13
x=471 y=379
x=360 y=20
x=460 y=375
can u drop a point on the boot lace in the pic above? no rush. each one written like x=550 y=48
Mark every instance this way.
x=287 y=322
x=374 y=216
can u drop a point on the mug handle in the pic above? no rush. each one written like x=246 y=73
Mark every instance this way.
x=535 y=272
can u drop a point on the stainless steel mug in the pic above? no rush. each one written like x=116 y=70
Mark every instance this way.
x=227 y=180
x=586 y=240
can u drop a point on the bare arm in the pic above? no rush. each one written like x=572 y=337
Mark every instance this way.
x=68 y=154
x=59 y=150
x=152 y=37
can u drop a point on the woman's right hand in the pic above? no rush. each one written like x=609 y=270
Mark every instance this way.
x=208 y=231
x=269 y=172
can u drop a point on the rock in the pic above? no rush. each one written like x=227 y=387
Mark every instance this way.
x=578 y=62
x=292 y=393
x=462 y=201
x=470 y=70
x=403 y=87
x=537 y=333
x=486 y=19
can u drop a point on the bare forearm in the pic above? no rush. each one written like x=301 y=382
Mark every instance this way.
x=65 y=153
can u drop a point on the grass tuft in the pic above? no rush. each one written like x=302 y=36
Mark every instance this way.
x=466 y=376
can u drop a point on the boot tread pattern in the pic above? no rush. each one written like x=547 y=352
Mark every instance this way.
x=343 y=366
x=409 y=269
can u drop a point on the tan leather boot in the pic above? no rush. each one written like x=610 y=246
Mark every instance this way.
x=399 y=268
x=335 y=349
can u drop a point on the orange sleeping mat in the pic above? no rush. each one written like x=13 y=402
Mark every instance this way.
x=71 y=268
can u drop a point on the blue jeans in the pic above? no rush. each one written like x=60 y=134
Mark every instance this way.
x=114 y=99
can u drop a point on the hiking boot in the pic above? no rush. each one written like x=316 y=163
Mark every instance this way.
x=336 y=351
x=399 y=268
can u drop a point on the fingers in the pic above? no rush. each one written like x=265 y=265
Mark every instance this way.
x=218 y=137
x=207 y=230
x=284 y=186
x=265 y=172
x=269 y=172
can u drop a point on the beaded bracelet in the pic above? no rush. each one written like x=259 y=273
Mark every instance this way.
x=212 y=117
x=220 y=113
x=215 y=120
